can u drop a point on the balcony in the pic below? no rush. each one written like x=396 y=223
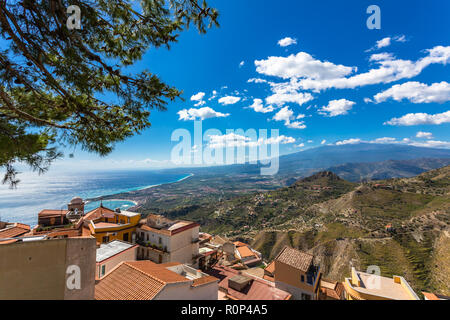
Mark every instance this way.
x=148 y=244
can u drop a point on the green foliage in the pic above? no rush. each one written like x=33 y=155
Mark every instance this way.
x=67 y=87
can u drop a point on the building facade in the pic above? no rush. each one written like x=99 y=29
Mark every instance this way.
x=162 y=240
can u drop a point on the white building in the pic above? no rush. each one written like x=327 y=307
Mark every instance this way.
x=162 y=240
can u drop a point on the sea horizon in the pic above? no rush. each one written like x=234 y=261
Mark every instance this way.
x=55 y=190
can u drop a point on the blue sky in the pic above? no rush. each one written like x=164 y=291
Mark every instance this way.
x=330 y=80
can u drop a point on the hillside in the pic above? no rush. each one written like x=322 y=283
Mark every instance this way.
x=342 y=223
x=357 y=172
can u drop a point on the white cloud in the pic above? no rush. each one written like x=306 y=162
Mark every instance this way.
x=198 y=97
x=416 y=92
x=348 y=141
x=287 y=93
x=337 y=108
x=235 y=140
x=259 y=107
x=286 y=115
x=323 y=141
x=213 y=96
x=202 y=114
x=413 y=119
x=424 y=135
x=384 y=140
x=241 y=64
x=306 y=73
x=301 y=65
x=385 y=42
x=285 y=42
x=256 y=80
x=229 y=100
x=301 y=145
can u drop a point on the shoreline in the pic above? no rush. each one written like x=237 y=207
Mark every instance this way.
x=136 y=203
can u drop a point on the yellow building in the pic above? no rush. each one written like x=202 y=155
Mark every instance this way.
x=107 y=225
x=366 y=286
x=295 y=272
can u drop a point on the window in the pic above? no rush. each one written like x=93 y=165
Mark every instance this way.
x=125 y=237
x=302 y=278
x=147 y=236
x=105 y=239
x=103 y=270
x=160 y=240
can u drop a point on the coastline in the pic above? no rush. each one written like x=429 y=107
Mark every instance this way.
x=136 y=203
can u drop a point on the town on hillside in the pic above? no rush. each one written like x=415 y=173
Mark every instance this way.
x=107 y=254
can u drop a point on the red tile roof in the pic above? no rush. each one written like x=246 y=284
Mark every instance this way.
x=270 y=268
x=140 y=280
x=245 y=252
x=239 y=244
x=331 y=289
x=295 y=258
x=258 y=290
x=15 y=230
x=52 y=213
x=100 y=212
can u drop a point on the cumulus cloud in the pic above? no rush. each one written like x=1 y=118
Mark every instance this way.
x=413 y=119
x=424 y=135
x=285 y=42
x=307 y=73
x=198 y=97
x=323 y=141
x=258 y=106
x=200 y=114
x=384 y=140
x=256 y=80
x=229 y=100
x=348 y=141
x=241 y=64
x=287 y=115
x=301 y=65
x=337 y=108
x=236 y=140
x=416 y=92
x=385 y=42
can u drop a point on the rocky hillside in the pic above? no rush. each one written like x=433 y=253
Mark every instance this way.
x=345 y=224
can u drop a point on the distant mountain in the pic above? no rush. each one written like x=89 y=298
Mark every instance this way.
x=330 y=156
x=387 y=169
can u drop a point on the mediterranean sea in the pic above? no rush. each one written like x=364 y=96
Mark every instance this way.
x=55 y=190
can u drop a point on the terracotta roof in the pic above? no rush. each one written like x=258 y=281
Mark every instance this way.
x=332 y=289
x=204 y=280
x=52 y=213
x=99 y=213
x=127 y=283
x=295 y=258
x=245 y=252
x=9 y=241
x=430 y=296
x=270 y=268
x=15 y=230
x=136 y=280
x=269 y=278
x=240 y=244
x=258 y=290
